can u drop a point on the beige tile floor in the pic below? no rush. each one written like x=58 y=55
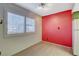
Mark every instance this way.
x=46 y=49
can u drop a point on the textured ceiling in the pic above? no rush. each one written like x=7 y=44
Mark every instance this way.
x=50 y=9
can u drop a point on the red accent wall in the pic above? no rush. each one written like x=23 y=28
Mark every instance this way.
x=57 y=28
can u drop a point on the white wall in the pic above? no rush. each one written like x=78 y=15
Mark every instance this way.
x=75 y=7
x=12 y=45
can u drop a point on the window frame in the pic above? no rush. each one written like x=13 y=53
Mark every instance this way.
x=26 y=25
x=18 y=21
x=14 y=11
x=5 y=24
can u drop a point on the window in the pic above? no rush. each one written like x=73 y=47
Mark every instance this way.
x=19 y=24
x=15 y=23
x=30 y=25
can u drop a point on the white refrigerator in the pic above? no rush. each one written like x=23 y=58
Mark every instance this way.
x=75 y=30
x=75 y=36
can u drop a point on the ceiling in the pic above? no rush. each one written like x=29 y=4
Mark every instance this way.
x=50 y=9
